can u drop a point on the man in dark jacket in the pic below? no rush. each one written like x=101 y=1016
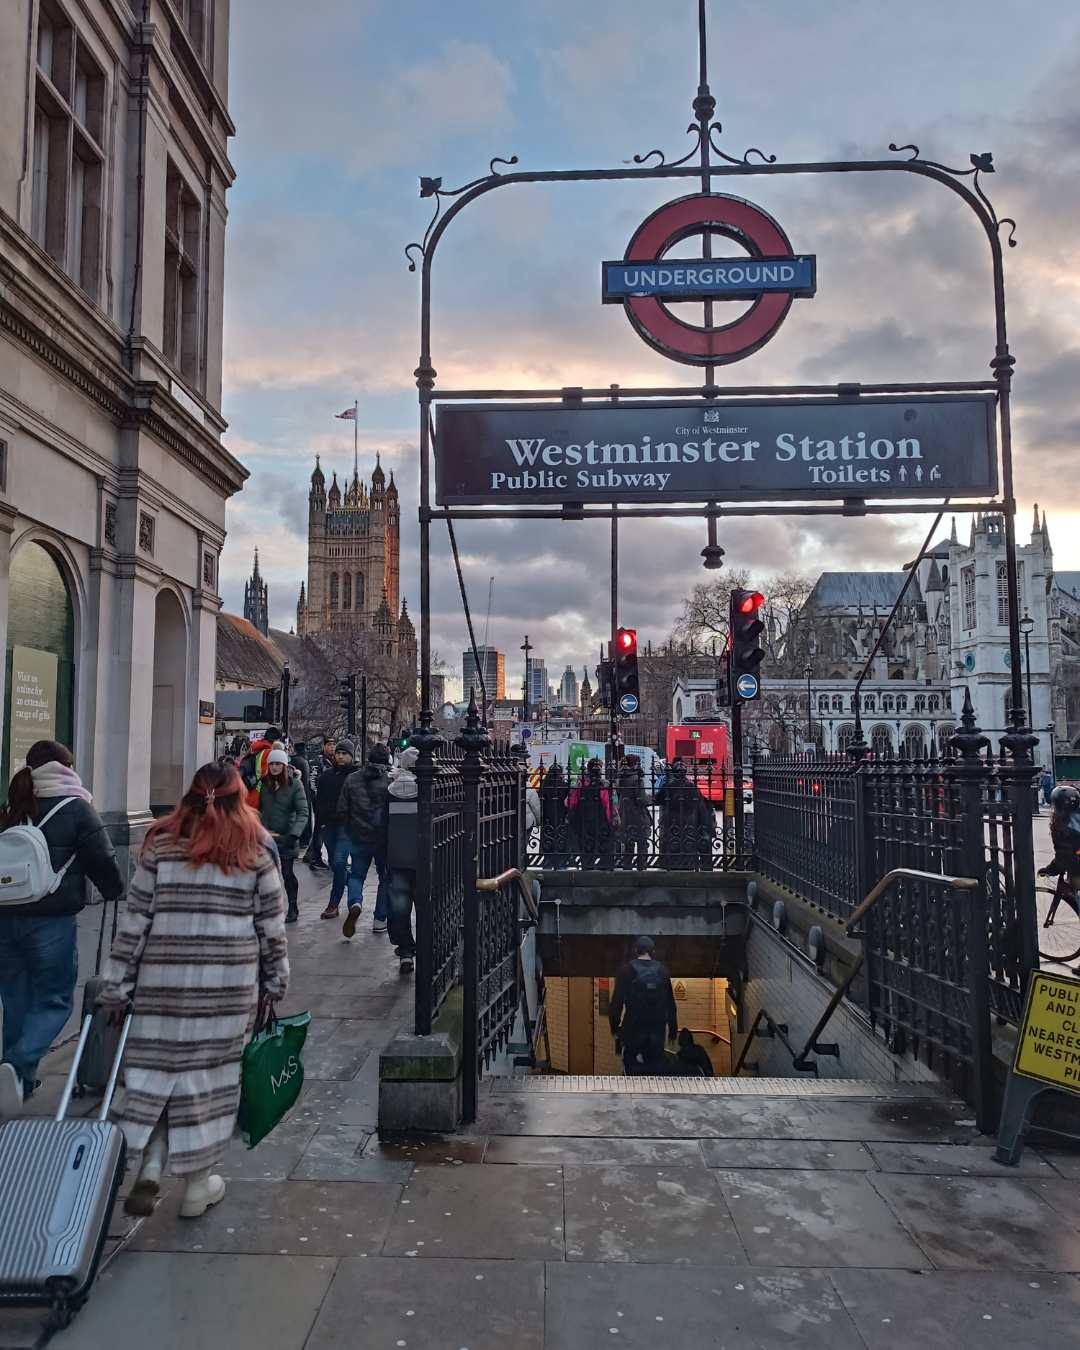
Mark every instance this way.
x=314 y=855
x=327 y=805
x=592 y=818
x=634 y=814
x=298 y=761
x=642 y=1010
x=38 y=942
x=364 y=809
x=687 y=822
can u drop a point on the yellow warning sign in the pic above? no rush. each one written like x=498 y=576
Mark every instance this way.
x=1049 y=1044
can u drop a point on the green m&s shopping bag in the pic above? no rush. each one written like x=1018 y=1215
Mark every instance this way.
x=272 y=1073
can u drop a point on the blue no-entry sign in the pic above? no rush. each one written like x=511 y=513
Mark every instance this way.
x=747 y=686
x=628 y=704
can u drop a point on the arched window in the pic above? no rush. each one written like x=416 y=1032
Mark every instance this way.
x=881 y=742
x=358 y=591
x=823 y=703
x=869 y=703
x=945 y=732
x=40 y=655
x=920 y=703
x=346 y=590
x=887 y=703
x=333 y=590
x=845 y=734
x=914 y=742
x=933 y=703
x=901 y=703
x=838 y=703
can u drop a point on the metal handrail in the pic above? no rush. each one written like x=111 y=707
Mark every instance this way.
x=708 y=1031
x=512 y=874
x=801 y=1061
x=776 y=1029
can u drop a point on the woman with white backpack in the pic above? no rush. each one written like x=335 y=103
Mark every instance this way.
x=52 y=841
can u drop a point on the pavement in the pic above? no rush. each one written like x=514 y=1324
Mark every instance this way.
x=571 y=1219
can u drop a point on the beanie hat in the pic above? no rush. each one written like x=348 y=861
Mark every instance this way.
x=378 y=754
x=277 y=757
x=345 y=747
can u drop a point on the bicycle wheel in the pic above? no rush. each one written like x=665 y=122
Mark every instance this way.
x=1060 y=941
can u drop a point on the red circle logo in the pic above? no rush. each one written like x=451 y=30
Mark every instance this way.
x=717 y=213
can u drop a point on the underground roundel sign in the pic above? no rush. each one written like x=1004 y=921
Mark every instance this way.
x=769 y=274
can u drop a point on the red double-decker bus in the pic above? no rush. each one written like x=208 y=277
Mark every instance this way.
x=705 y=748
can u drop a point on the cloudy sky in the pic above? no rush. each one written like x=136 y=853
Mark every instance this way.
x=341 y=105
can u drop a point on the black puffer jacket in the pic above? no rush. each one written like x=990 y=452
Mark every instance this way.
x=364 y=805
x=328 y=792
x=75 y=829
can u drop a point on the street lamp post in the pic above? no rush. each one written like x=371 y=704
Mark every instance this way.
x=1027 y=627
x=809 y=706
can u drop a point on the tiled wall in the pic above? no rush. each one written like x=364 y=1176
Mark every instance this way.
x=791 y=993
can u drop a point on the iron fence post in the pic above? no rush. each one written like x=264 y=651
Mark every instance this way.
x=473 y=742
x=1019 y=775
x=424 y=742
x=970 y=774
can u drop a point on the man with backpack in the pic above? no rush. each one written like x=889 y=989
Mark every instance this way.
x=642 y=1011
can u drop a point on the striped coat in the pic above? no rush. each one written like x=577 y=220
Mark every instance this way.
x=194 y=948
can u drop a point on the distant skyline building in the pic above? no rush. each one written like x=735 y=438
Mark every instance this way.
x=538 y=680
x=568 y=688
x=438 y=690
x=493 y=664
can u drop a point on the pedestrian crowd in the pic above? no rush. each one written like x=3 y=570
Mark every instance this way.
x=607 y=822
x=199 y=956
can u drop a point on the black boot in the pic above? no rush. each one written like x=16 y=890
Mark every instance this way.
x=292 y=915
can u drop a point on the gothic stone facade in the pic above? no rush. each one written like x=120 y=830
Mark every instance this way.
x=354 y=554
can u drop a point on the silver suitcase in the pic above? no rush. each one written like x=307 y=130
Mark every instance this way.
x=58 y=1183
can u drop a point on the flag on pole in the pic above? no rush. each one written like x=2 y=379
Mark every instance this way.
x=349 y=415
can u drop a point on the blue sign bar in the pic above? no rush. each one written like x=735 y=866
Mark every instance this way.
x=709 y=278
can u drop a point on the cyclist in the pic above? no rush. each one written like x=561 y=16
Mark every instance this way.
x=1065 y=836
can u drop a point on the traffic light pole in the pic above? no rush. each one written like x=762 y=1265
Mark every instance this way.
x=363 y=719
x=613 y=709
x=737 y=766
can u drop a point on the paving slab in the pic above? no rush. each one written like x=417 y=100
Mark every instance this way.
x=1068 y=1164
x=482 y=1305
x=807 y=1218
x=336 y=1153
x=953 y=1160
x=180 y=1302
x=821 y=1155
x=512 y=1213
x=981 y=1223
x=605 y=1152
x=306 y=1218
x=273 y=1158
x=946 y=1310
x=646 y=1307
x=339 y=1049
x=667 y=1215
x=339 y=1102
x=435 y=1150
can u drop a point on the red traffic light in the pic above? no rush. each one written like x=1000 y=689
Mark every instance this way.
x=750 y=601
x=626 y=641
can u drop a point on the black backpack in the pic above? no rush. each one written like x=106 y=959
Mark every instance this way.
x=646 y=999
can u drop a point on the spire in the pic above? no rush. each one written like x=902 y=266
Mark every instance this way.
x=378 y=478
x=952 y=537
x=317 y=476
x=1035 y=521
x=255 y=569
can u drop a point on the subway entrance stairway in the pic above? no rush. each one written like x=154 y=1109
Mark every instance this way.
x=582 y=1212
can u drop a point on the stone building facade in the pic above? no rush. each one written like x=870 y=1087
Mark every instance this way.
x=114 y=130
x=354 y=556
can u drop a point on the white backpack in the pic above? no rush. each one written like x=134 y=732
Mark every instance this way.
x=26 y=870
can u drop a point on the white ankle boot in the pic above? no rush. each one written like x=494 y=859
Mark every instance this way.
x=203 y=1190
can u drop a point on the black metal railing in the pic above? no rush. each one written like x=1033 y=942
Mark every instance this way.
x=470 y=825
x=829 y=827
x=622 y=817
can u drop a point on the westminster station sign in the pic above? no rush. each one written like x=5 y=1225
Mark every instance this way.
x=511 y=454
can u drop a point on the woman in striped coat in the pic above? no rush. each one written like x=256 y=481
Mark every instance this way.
x=201 y=942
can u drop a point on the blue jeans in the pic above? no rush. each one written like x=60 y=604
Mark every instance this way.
x=39 y=965
x=399 y=887
x=350 y=861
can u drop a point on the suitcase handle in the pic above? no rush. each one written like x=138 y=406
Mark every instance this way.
x=69 y=1086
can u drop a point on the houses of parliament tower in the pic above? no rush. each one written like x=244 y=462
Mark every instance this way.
x=354 y=561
